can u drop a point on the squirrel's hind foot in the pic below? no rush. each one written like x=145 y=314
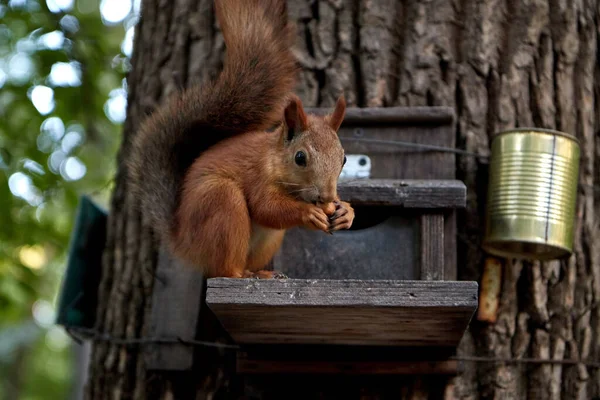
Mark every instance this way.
x=264 y=274
x=279 y=275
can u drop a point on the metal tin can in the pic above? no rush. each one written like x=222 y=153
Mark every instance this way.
x=532 y=194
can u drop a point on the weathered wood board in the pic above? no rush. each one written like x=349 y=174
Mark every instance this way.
x=176 y=301
x=410 y=193
x=432 y=247
x=420 y=125
x=348 y=312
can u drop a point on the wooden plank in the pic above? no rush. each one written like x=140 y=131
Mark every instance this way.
x=400 y=161
x=250 y=366
x=176 y=300
x=341 y=293
x=383 y=313
x=404 y=193
x=432 y=246
x=393 y=115
x=450 y=258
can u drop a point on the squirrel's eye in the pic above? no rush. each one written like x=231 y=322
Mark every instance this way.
x=300 y=159
x=344 y=163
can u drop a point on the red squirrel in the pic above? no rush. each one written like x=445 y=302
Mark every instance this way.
x=224 y=168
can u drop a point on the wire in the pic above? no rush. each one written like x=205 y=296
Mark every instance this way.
x=105 y=337
x=423 y=147
x=434 y=148
x=97 y=336
x=429 y=147
x=591 y=364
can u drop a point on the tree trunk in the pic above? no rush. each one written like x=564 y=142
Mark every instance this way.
x=500 y=64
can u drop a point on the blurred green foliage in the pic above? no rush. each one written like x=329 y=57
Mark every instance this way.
x=62 y=100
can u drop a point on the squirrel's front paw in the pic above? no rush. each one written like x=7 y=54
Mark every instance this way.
x=315 y=218
x=343 y=216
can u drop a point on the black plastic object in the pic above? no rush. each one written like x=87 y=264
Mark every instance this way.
x=79 y=292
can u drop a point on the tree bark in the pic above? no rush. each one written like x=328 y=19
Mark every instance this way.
x=501 y=64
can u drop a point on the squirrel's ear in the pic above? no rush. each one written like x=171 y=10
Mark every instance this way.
x=295 y=118
x=335 y=119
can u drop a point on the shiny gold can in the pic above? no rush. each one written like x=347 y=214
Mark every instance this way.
x=532 y=194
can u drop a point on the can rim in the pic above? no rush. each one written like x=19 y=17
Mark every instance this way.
x=538 y=130
x=557 y=251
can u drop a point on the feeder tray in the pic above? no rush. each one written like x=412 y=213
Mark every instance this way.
x=348 y=312
x=364 y=311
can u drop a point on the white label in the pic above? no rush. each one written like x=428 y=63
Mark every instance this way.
x=357 y=166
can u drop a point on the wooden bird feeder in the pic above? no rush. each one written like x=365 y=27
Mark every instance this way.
x=381 y=297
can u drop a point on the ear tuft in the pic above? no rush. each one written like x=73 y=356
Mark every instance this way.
x=336 y=118
x=295 y=117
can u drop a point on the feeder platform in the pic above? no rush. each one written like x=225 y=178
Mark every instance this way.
x=349 y=312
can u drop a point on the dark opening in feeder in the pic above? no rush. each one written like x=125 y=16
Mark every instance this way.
x=532 y=194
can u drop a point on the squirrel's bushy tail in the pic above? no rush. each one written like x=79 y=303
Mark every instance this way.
x=259 y=73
